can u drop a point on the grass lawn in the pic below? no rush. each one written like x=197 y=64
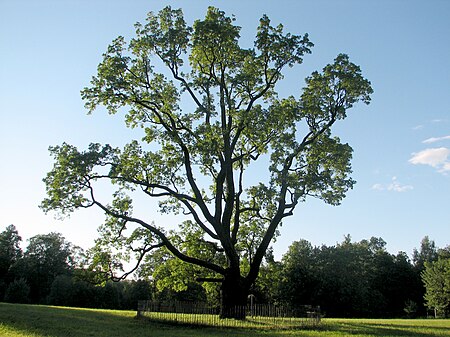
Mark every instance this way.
x=39 y=321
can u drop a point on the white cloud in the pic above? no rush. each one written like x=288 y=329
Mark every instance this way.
x=435 y=139
x=394 y=186
x=445 y=168
x=397 y=187
x=417 y=127
x=378 y=187
x=436 y=157
x=437 y=120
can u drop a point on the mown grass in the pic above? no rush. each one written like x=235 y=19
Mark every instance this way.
x=46 y=321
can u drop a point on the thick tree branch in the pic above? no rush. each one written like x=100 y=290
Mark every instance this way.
x=170 y=128
x=282 y=206
x=164 y=240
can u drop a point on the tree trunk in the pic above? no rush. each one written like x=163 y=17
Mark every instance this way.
x=234 y=293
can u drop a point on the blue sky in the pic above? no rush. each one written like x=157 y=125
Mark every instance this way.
x=401 y=141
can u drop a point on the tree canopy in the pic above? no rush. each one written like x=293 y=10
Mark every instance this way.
x=197 y=158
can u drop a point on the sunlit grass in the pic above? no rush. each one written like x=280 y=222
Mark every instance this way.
x=46 y=321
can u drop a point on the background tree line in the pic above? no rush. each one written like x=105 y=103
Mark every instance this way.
x=350 y=279
x=361 y=279
x=51 y=271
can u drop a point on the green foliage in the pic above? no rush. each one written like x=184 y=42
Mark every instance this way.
x=53 y=271
x=172 y=275
x=196 y=160
x=411 y=309
x=46 y=257
x=71 y=291
x=10 y=252
x=351 y=279
x=436 y=278
x=61 y=291
x=135 y=291
x=17 y=292
x=51 y=251
x=427 y=253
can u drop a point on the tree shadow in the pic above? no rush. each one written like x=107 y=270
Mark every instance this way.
x=386 y=329
x=63 y=322
x=48 y=321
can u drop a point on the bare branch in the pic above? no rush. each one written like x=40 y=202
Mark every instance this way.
x=142 y=252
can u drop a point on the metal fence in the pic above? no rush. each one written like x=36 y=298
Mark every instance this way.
x=257 y=315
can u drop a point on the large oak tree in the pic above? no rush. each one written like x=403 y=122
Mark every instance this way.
x=200 y=159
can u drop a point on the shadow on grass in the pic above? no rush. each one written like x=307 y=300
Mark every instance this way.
x=378 y=328
x=39 y=321
x=213 y=321
x=56 y=322
x=36 y=321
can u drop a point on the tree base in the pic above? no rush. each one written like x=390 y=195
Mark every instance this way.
x=234 y=292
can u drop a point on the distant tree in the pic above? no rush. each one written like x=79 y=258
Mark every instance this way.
x=10 y=252
x=46 y=257
x=17 y=292
x=427 y=253
x=267 y=288
x=197 y=159
x=299 y=277
x=436 y=277
x=351 y=279
x=407 y=287
x=135 y=291
x=111 y=295
x=395 y=286
x=62 y=291
x=346 y=270
x=85 y=294
x=444 y=253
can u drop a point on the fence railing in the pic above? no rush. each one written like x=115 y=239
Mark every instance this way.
x=257 y=315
